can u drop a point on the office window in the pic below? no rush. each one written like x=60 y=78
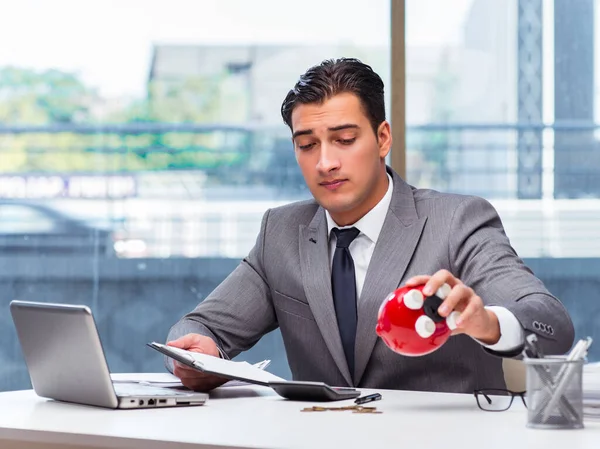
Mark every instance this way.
x=502 y=103
x=141 y=143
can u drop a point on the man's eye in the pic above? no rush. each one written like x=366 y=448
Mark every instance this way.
x=306 y=147
x=347 y=141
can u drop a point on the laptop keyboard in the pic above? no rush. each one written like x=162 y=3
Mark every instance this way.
x=144 y=390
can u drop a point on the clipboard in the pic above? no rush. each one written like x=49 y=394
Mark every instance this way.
x=241 y=371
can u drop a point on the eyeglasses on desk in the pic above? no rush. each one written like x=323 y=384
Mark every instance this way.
x=497 y=399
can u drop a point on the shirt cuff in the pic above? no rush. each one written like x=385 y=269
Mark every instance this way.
x=222 y=354
x=512 y=334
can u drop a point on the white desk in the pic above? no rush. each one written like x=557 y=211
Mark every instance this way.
x=257 y=418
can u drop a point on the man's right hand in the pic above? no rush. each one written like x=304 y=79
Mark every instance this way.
x=190 y=377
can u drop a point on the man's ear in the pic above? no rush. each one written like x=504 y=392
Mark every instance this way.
x=384 y=138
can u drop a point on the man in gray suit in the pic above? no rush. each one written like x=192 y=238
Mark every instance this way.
x=320 y=269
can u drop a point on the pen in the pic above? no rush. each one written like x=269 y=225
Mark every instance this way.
x=368 y=398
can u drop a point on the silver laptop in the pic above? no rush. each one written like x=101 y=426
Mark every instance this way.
x=66 y=362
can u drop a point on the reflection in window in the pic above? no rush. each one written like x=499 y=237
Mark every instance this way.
x=159 y=128
x=24 y=220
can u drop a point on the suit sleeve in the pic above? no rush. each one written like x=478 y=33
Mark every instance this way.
x=482 y=257
x=239 y=311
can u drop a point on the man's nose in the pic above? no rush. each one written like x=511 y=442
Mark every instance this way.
x=328 y=160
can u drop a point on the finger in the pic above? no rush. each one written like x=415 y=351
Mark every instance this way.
x=474 y=306
x=183 y=366
x=183 y=342
x=198 y=376
x=181 y=370
x=437 y=280
x=195 y=384
x=417 y=280
x=456 y=300
x=195 y=379
x=203 y=384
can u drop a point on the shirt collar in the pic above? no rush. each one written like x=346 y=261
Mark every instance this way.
x=370 y=225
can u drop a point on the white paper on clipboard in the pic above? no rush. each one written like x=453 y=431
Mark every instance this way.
x=240 y=371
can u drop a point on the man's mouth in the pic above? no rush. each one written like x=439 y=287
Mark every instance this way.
x=333 y=184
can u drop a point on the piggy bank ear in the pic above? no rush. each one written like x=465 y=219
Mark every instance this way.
x=413 y=299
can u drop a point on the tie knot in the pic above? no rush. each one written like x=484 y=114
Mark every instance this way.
x=345 y=236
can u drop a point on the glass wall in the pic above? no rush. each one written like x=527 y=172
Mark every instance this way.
x=141 y=142
x=502 y=103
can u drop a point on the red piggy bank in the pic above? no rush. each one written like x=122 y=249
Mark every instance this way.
x=409 y=323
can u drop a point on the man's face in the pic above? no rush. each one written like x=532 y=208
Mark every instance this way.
x=341 y=158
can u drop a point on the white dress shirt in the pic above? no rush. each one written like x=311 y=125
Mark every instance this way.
x=362 y=247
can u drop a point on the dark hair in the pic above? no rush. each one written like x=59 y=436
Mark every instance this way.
x=333 y=77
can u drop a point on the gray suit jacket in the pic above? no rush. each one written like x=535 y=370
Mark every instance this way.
x=285 y=282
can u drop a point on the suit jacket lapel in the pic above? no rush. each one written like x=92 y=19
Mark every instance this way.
x=316 y=278
x=395 y=246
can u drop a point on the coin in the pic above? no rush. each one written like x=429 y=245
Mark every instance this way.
x=368 y=410
x=354 y=408
x=314 y=409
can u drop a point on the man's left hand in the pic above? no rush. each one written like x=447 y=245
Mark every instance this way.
x=475 y=320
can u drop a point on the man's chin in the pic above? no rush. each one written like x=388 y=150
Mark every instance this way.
x=335 y=207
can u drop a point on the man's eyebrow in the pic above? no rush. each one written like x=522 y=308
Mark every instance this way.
x=306 y=132
x=302 y=132
x=345 y=126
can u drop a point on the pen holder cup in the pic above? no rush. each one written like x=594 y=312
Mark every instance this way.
x=554 y=393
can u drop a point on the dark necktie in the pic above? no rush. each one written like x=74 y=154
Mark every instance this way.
x=343 y=285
